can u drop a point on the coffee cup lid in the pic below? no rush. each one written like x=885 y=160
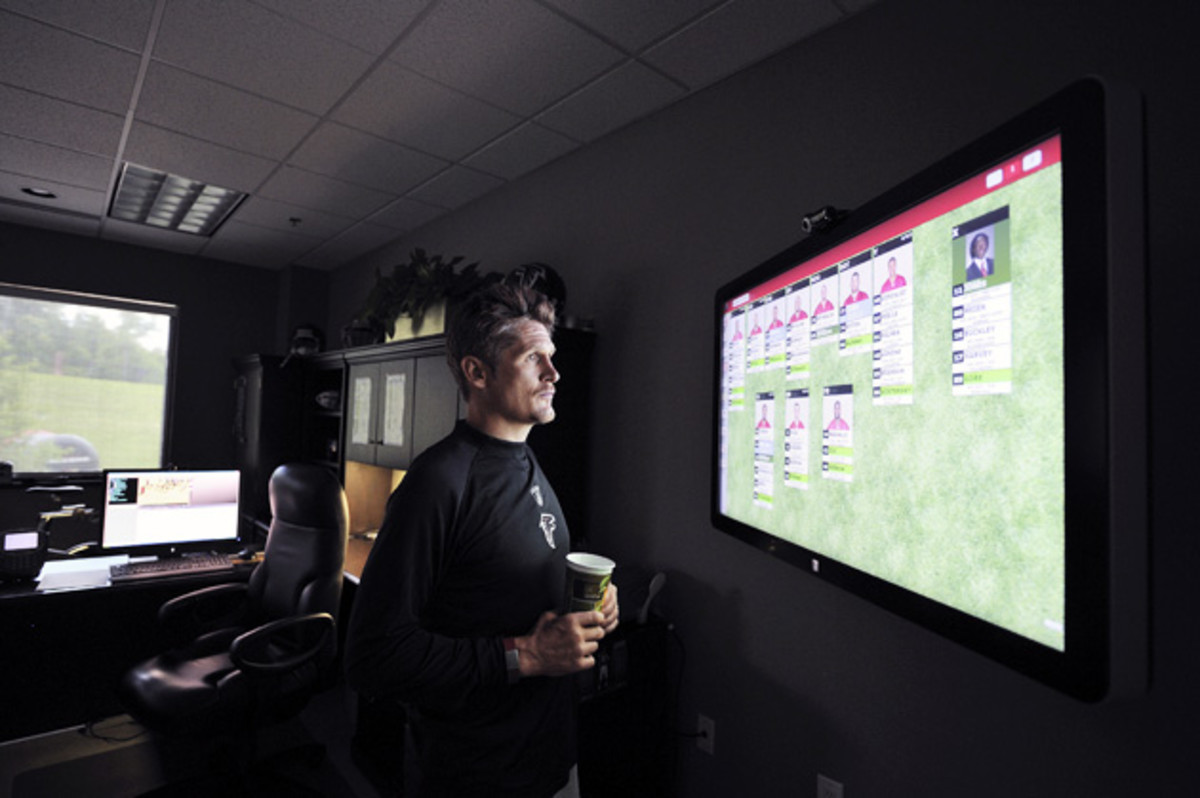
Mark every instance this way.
x=590 y=563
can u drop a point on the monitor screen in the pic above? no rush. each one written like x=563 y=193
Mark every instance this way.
x=914 y=404
x=162 y=512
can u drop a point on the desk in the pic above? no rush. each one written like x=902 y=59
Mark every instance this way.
x=62 y=652
x=357 y=550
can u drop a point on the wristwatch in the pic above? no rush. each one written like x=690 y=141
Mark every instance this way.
x=512 y=659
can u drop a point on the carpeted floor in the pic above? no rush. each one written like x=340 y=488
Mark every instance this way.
x=116 y=758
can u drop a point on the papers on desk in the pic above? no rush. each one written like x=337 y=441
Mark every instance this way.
x=77 y=574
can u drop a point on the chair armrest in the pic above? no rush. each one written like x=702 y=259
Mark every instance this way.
x=253 y=652
x=205 y=609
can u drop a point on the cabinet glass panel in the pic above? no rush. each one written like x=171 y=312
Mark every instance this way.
x=394 y=401
x=360 y=415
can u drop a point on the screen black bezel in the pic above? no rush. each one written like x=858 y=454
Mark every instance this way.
x=216 y=545
x=1077 y=114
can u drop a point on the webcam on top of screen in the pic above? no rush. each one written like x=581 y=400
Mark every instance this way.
x=822 y=219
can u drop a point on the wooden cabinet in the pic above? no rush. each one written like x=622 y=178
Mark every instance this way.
x=436 y=403
x=401 y=398
x=322 y=403
x=266 y=416
x=379 y=412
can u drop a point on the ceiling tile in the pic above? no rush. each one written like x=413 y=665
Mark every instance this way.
x=256 y=246
x=348 y=154
x=409 y=109
x=277 y=215
x=58 y=122
x=368 y=24
x=123 y=23
x=202 y=108
x=68 y=198
x=46 y=60
x=364 y=118
x=143 y=235
x=405 y=214
x=522 y=56
x=54 y=163
x=625 y=94
x=520 y=151
x=737 y=35
x=348 y=245
x=308 y=190
x=633 y=25
x=253 y=48
x=185 y=156
x=456 y=187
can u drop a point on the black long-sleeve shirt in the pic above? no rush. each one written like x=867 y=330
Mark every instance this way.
x=472 y=550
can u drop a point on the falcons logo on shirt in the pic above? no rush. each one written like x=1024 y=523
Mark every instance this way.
x=549 y=523
x=536 y=493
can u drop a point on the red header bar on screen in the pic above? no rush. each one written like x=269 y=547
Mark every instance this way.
x=1032 y=160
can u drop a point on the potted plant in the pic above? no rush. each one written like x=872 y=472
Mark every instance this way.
x=412 y=291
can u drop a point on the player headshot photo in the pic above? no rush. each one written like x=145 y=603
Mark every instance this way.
x=837 y=422
x=894 y=278
x=824 y=306
x=855 y=294
x=796 y=423
x=798 y=312
x=981 y=262
x=763 y=421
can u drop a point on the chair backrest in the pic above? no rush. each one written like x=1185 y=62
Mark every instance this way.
x=301 y=570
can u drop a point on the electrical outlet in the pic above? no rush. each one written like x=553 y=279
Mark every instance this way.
x=706 y=733
x=828 y=788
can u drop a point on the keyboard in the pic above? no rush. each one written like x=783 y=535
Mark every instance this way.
x=170 y=566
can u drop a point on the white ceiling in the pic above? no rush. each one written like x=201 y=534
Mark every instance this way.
x=361 y=119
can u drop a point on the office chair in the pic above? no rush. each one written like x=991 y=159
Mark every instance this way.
x=248 y=655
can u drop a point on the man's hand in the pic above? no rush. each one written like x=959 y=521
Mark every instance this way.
x=564 y=644
x=561 y=644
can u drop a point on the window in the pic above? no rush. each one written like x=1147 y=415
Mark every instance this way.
x=85 y=381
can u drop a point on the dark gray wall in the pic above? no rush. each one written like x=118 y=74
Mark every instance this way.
x=800 y=677
x=225 y=310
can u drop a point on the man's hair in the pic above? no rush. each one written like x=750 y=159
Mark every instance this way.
x=485 y=324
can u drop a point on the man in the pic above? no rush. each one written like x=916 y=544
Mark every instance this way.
x=454 y=614
x=893 y=280
x=824 y=306
x=856 y=294
x=980 y=266
x=838 y=423
x=798 y=313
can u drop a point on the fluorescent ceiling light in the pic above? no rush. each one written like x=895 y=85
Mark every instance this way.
x=171 y=202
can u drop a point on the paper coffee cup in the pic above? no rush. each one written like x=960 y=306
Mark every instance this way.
x=588 y=576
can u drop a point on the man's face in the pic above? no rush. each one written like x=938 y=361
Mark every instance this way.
x=520 y=393
x=979 y=246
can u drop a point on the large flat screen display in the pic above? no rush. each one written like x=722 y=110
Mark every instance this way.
x=914 y=405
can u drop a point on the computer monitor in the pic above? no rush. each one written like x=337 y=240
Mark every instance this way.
x=170 y=512
x=939 y=403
